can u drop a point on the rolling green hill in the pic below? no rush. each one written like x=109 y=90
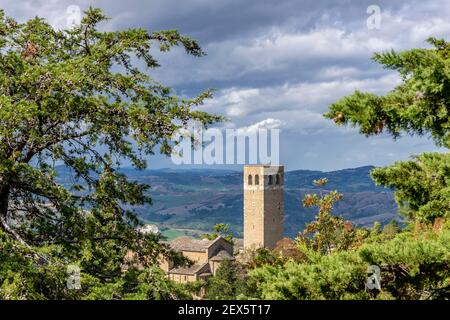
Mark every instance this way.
x=192 y=201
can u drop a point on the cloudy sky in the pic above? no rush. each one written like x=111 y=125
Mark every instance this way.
x=279 y=64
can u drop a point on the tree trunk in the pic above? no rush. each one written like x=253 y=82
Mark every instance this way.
x=5 y=191
x=4 y=201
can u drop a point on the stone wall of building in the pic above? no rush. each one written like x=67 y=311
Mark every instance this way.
x=273 y=208
x=182 y=278
x=195 y=256
x=218 y=245
x=263 y=205
x=164 y=263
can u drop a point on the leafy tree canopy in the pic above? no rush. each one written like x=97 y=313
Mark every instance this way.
x=229 y=282
x=412 y=267
x=220 y=230
x=419 y=105
x=422 y=185
x=328 y=232
x=79 y=98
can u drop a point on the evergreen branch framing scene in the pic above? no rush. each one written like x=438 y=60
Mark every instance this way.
x=93 y=206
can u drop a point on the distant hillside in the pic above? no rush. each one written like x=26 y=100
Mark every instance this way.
x=198 y=199
x=192 y=201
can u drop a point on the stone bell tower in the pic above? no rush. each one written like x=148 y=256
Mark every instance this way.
x=263 y=205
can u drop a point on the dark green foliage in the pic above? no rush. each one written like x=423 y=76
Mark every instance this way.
x=422 y=185
x=328 y=232
x=77 y=97
x=414 y=263
x=220 y=230
x=334 y=256
x=228 y=283
x=335 y=276
x=419 y=105
x=411 y=268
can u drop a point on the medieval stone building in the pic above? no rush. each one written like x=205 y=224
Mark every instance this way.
x=263 y=226
x=206 y=255
x=263 y=205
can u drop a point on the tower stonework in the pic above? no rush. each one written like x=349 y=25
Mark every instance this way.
x=263 y=205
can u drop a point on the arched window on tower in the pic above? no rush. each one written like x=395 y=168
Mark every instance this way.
x=270 y=180
x=277 y=179
x=256 y=179
x=250 y=180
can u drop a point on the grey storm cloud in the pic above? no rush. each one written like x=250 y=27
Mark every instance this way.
x=280 y=62
x=210 y=20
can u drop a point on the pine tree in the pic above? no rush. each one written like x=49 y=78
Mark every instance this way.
x=419 y=105
x=79 y=99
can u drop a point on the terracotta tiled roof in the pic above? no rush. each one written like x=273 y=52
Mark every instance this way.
x=189 y=244
x=194 y=269
x=222 y=255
